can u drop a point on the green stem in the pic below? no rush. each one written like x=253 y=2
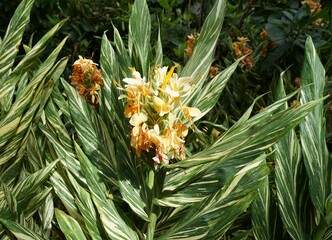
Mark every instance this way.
x=151 y=226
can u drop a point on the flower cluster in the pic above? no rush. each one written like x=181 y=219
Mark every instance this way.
x=241 y=48
x=88 y=79
x=191 y=40
x=158 y=119
x=214 y=71
x=268 y=44
x=314 y=5
x=315 y=8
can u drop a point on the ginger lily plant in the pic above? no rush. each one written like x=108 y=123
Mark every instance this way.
x=114 y=148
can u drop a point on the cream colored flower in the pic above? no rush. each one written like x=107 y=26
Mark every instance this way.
x=138 y=118
x=161 y=106
x=157 y=116
x=191 y=112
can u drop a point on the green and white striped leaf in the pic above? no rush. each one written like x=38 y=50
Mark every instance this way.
x=61 y=102
x=255 y=135
x=30 y=58
x=51 y=80
x=12 y=39
x=291 y=182
x=199 y=63
x=19 y=231
x=46 y=213
x=16 y=145
x=52 y=117
x=115 y=108
x=62 y=190
x=132 y=197
x=113 y=223
x=65 y=153
x=122 y=55
x=185 y=186
x=139 y=34
x=36 y=202
x=261 y=216
x=86 y=124
x=182 y=177
x=69 y=226
x=312 y=129
x=213 y=216
x=110 y=70
x=87 y=209
x=27 y=188
x=15 y=77
x=205 y=99
x=9 y=125
x=8 y=203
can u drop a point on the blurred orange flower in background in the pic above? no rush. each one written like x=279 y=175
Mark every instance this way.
x=241 y=49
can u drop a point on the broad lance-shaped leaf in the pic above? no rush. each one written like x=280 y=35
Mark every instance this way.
x=176 y=179
x=61 y=102
x=10 y=123
x=61 y=188
x=113 y=223
x=205 y=99
x=312 y=129
x=46 y=213
x=87 y=209
x=52 y=117
x=199 y=63
x=291 y=181
x=210 y=218
x=186 y=186
x=69 y=226
x=261 y=213
x=35 y=202
x=8 y=203
x=109 y=62
x=7 y=89
x=27 y=188
x=122 y=54
x=63 y=152
x=16 y=145
x=132 y=197
x=12 y=39
x=139 y=34
x=85 y=125
x=253 y=136
x=110 y=70
x=19 y=231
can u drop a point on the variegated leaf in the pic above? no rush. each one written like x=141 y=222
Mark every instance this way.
x=213 y=216
x=113 y=223
x=199 y=63
x=10 y=43
x=139 y=34
x=291 y=182
x=19 y=231
x=312 y=129
x=69 y=226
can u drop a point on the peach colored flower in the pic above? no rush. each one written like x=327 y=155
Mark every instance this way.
x=88 y=79
x=157 y=114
